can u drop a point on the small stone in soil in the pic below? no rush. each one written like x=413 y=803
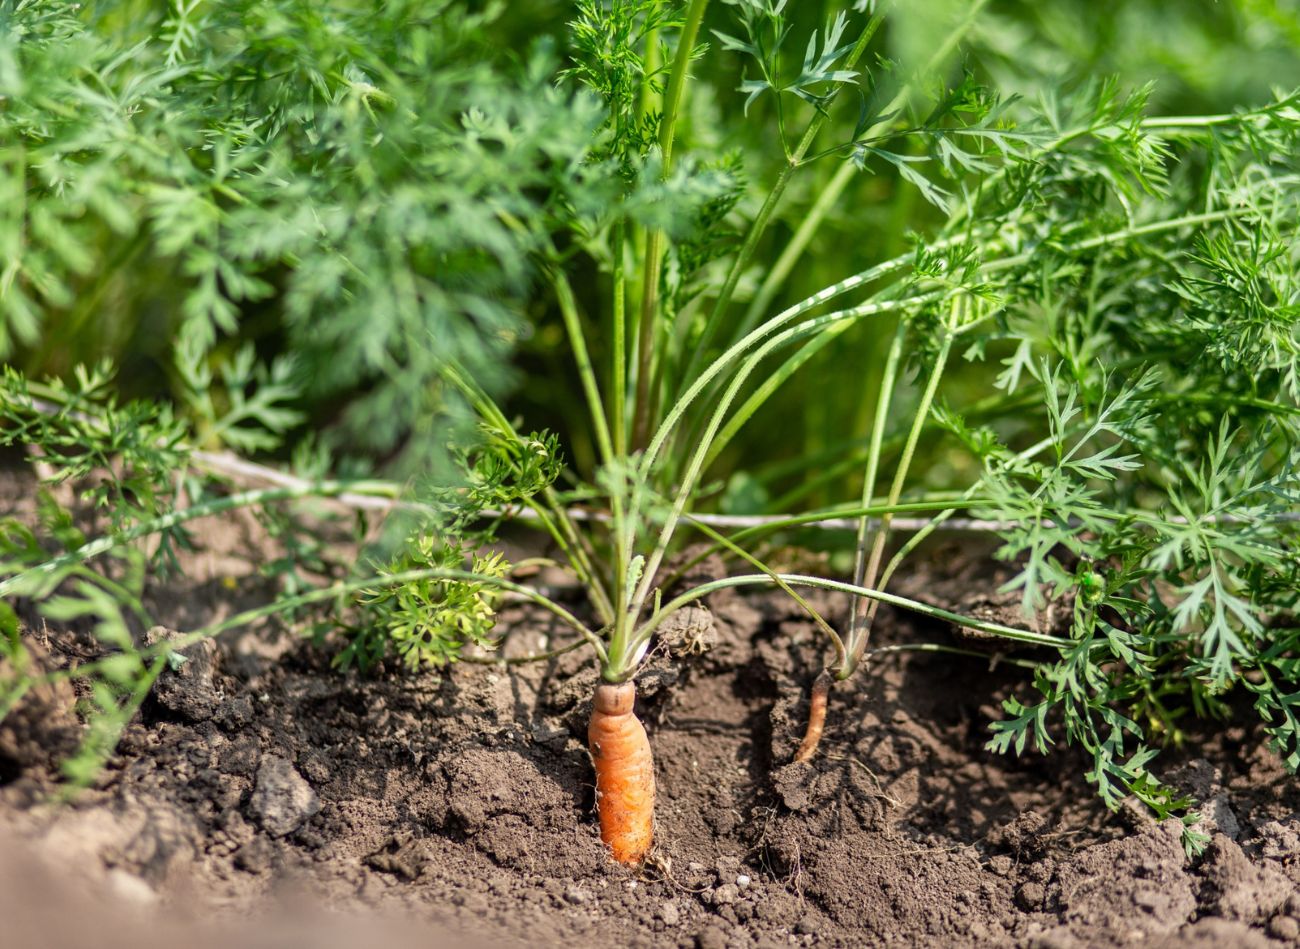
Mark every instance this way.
x=670 y=914
x=725 y=894
x=282 y=800
x=400 y=856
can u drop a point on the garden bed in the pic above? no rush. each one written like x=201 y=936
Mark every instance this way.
x=260 y=781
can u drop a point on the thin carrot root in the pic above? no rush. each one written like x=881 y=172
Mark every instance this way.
x=812 y=737
x=625 y=773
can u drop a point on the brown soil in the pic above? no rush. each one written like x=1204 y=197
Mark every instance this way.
x=261 y=783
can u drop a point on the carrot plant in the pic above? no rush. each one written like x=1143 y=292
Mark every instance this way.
x=1088 y=341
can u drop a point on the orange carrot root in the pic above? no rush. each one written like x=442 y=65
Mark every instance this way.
x=821 y=691
x=625 y=773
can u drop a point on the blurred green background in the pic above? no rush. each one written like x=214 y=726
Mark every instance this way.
x=1203 y=56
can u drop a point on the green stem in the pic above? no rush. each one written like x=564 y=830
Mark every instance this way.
x=901 y=262
x=812 y=517
x=624 y=656
x=803 y=235
x=674 y=94
x=643 y=409
x=969 y=622
x=563 y=531
x=335 y=590
x=1124 y=234
x=772 y=383
x=860 y=632
x=884 y=397
x=27 y=582
x=618 y=382
x=650 y=97
x=569 y=311
x=586 y=372
x=1194 y=121
x=759 y=226
x=753 y=561
x=952 y=651
x=843 y=175
x=915 y=540
x=570 y=542
x=755 y=337
x=696 y=463
x=830 y=473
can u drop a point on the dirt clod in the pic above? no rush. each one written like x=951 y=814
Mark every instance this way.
x=1137 y=884
x=712 y=937
x=808 y=925
x=42 y=729
x=1238 y=889
x=577 y=895
x=255 y=856
x=186 y=686
x=1286 y=928
x=1024 y=836
x=1029 y=896
x=282 y=799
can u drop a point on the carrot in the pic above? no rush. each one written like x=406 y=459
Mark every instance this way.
x=812 y=737
x=625 y=772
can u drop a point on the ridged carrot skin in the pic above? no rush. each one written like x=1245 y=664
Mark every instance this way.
x=625 y=773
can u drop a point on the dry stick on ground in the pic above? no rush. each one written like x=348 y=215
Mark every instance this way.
x=231 y=465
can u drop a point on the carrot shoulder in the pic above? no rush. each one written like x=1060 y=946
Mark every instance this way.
x=625 y=772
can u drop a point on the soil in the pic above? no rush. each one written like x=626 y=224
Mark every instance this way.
x=262 y=791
